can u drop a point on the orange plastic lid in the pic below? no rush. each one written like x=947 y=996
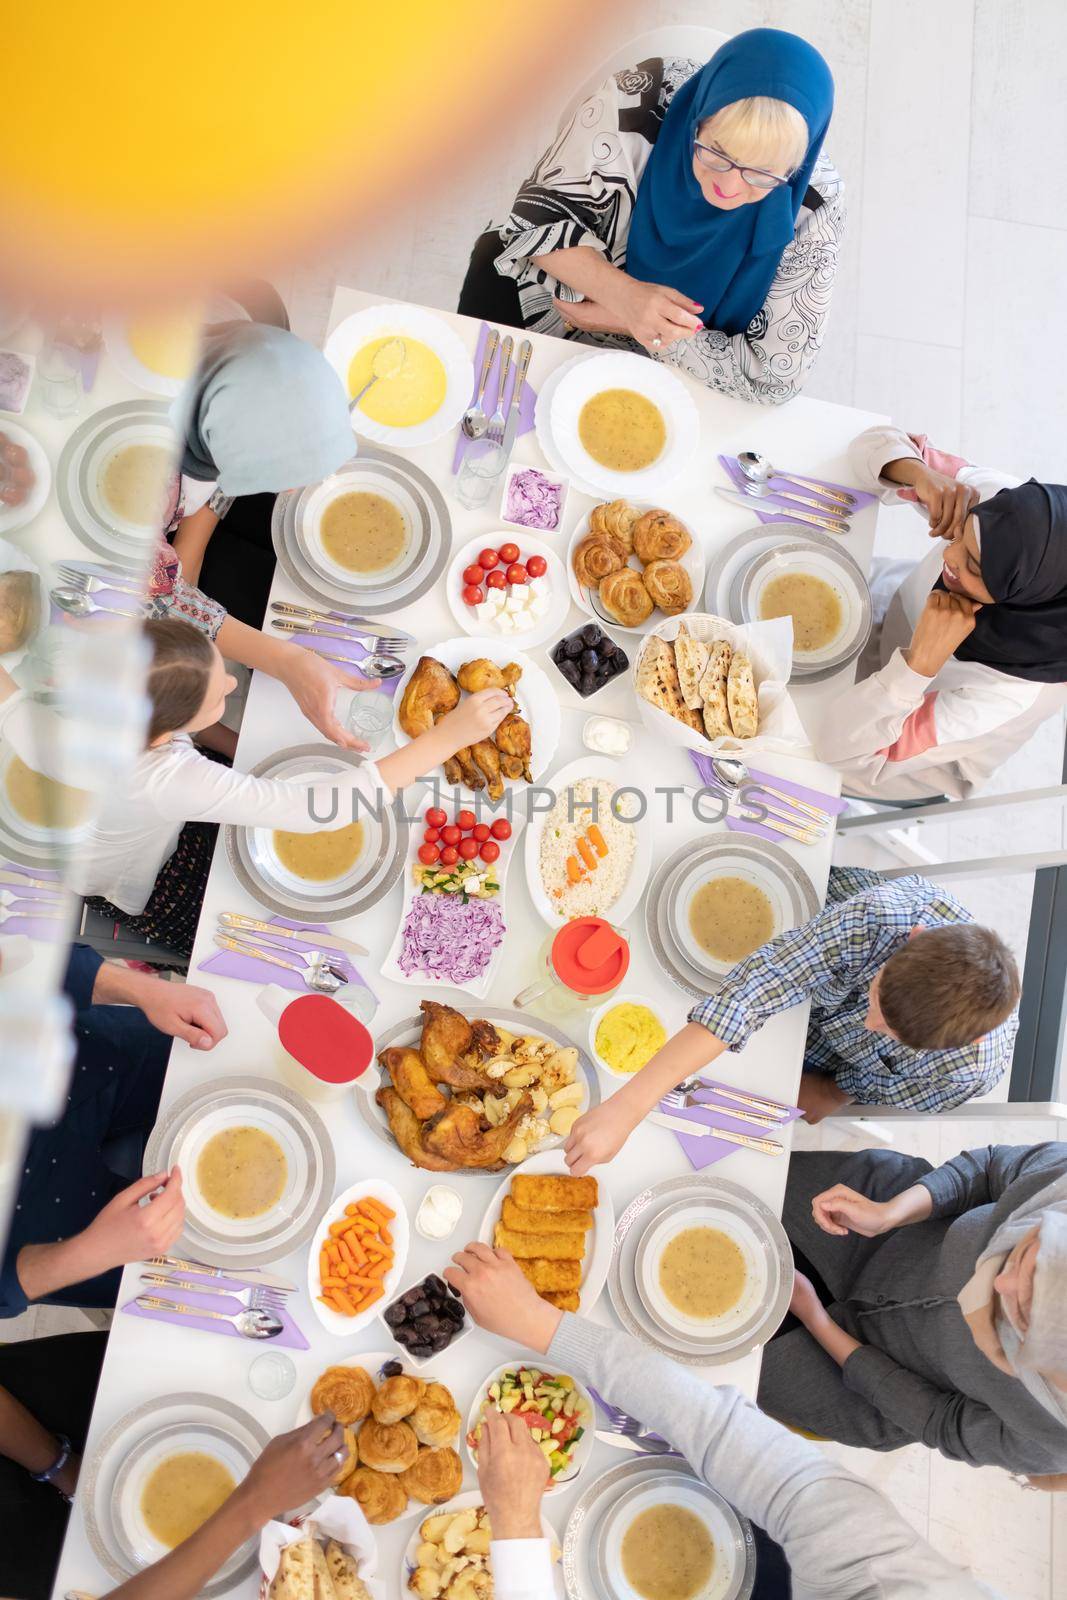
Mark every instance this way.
x=326 y=1039
x=590 y=956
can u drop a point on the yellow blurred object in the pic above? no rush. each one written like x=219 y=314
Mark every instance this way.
x=166 y=345
x=151 y=149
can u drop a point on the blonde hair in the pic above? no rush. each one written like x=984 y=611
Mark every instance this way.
x=760 y=132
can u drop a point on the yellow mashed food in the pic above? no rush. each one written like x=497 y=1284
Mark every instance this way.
x=166 y=345
x=414 y=395
x=628 y=1036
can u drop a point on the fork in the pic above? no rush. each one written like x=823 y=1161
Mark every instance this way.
x=90 y=583
x=685 y=1102
x=389 y=644
x=770 y=1108
x=254 y=1299
x=343 y=619
x=495 y=432
x=624 y=1426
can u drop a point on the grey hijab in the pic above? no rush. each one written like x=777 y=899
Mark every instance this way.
x=265 y=411
x=1043 y=1349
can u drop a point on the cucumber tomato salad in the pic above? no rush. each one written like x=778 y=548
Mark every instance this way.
x=550 y=1405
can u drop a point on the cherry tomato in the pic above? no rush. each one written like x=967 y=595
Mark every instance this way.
x=466 y=821
x=436 y=818
x=536 y=566
x=508 y=553
x=451 y=834
x=429 y=854
x=472 y=594
x=468 y=849
x=432 y=836
x=501 y=828
x=488 y=559
x=490 y=851
x=495 y=580
x=473 y=573
x=516 y=572
x=481 y=831
x=449 y=855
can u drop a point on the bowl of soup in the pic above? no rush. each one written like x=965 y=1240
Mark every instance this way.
x=418 y=393
x=40 y=807
x=360 y=529
x=623 y=426
x=171 y=1481
x=244 y=1168
x=702 y=1271
x=671 y=1537
x=824 y=594
x=724 y=909
x=132 y=483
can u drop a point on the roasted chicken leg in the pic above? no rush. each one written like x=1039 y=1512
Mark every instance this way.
x=483 y=674
x=459 y=1134
x=412 y=1082
x=452 y=1048
x=407 y=1132
x=512 y=739
x=431 y=691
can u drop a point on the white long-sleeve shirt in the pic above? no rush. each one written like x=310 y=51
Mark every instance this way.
x=897 y=735
x=842 y=1538
x=137 y=824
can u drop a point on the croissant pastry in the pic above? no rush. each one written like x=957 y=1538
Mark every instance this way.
x=435 y=1420
x=669 y=585
x=397 y=1398
x=380 y=1495
x=595 y=557
x=624 y=597
x=660 y=537
x=346 y=1391
x=435 y=1477
x=387 y=1447
x=616 y=519
x=351 y=1460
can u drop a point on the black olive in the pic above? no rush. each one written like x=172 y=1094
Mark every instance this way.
x=620 y=661
x=422 y=1351
x=419 y=1309
x=392 y=1369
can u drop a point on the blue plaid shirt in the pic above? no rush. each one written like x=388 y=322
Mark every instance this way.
x=831 y=961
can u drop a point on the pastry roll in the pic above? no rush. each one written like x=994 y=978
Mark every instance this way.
x=435 y=1476
x=435 y=1420
x=396 y=1398
x=616 y=519
x=387 y=1447
x=669 y=585
x=624 y=597
x=741 y=697
x=380 y=1495
x=346 y=1391
x=351 y=1461
x=660 y=537
x=595 y=557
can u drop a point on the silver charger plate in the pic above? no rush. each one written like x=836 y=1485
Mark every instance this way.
x=663 y=888
x=279 y=1234
x=433 y=542
x=74 y=491
x=96 y=1486
x=850 y=575
x=409 y=1032
x=371 y=878
x=622 y=1280
x=582 y=1562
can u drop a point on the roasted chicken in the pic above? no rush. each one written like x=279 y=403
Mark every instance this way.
x=407 y=1131
x=412 y=1082
x=431 y=691
x=452 y=1049
x=483 y=674
x=512 y=739
x=462 y=1136
x=486 y=756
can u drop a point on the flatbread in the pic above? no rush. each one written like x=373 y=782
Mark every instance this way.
x=713 y=690
x=347 y=1584
x=657 y=682
x=295 y=1577
x=691 y=658
x=741 y=698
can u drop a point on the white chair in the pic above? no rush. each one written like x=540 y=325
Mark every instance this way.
x=694 y=44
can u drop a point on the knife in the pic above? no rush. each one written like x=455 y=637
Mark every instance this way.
x=525 y=352
x=17 y=881
x=328 y=941
x=829 y=524
x=769 y=1147
x=345 y=618
x=770 y=1108
x=353 y=634
x=164 y=1280
x=733 y=1111
x=269 y=1280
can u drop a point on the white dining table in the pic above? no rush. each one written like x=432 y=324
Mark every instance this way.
x=146 y=1359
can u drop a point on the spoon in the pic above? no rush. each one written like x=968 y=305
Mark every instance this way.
x=732 y=773
x=369 y=667
x=474 y=423
x=316 y=973
x=76 y=603
x=388 y=363
x=250 y=1324
x=757 y=469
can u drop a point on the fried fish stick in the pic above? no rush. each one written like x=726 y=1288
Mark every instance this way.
x=551 y=1192
x=549 y=1246
x=513 y=1216
x=562 y=1300
x=554 y=1276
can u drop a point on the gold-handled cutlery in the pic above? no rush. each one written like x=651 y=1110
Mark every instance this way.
x=255 y=1323
x=312 y=966
x=207 y=1269
x=328 y=941
x=254 y=1297
x=382 y=644
x=699 y=1130
x=769 y=1108
x=345 y=619
x=830 y=523
x=757 y=469
x=474 y=423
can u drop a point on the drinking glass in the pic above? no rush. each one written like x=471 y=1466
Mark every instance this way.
x=272 y=1375
x=59 y=378
x=478 y=476
x=370 y=714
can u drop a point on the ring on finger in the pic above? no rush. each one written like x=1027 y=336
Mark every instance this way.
x=657 y=341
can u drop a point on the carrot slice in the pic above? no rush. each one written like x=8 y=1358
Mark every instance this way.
x=597 y=840
x=585 y=850
x=377 y=1208
x=574 y=871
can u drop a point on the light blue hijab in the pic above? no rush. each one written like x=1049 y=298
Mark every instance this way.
x=264 y=412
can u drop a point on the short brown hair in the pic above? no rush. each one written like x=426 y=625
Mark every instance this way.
x=948 y=986
x=182 y=658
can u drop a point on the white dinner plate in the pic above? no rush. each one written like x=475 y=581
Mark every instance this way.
x=536 y=698
x=617 y=774
x=761 y=1271
x=12 y=517
x=657 y=383
x=379 y=322
x=549 y=626
x=375 y=1189
x=463 y=1502
x=117 y=338
x=597 y=1259
x=582 y=1450
x=692 y=561
x=835 y=567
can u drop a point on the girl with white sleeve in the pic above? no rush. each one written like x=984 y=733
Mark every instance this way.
x=973 y=648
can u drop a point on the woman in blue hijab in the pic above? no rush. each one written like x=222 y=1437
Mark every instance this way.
x=688 y=211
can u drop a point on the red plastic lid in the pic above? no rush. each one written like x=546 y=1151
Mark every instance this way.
x=590 y=956
x=325 y=1038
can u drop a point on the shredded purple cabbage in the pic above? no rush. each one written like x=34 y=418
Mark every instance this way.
x=448 y=940
x=534 y=501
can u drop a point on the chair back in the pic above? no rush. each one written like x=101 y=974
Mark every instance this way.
x=690 y=43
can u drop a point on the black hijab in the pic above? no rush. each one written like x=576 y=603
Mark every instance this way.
x=1024 y=567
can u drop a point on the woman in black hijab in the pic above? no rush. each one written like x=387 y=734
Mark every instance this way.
x=972 y=654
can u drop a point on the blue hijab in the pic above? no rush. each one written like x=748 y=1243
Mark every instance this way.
x=726 y=260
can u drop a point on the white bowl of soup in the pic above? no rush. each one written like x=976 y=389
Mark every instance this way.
x=41 y=808
x=722 y=912
x=416 y=401
x=170 y=1484
x=824 y=594
x=702 y=1271
x=242 y=1166
x=128 y=481
x=360 y=529
x=623 y=425
x=673 y=1539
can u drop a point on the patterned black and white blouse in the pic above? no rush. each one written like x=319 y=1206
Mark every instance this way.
x=582 y=192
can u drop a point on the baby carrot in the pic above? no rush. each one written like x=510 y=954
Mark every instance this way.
x=377 y=1208
x=597 y=839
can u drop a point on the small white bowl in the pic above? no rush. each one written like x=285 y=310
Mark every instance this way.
x=375 y=1189
x=617 y=999
x=553 y=477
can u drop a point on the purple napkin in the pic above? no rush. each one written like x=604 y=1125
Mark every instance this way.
x=49 y=873
x=290 y=1337
x=478 y=447
x=715 y=1112
x=228 y=964
x=46 y=930
x=610 y=1411
x=783 y=512
x=814 y=797
x=348 y=648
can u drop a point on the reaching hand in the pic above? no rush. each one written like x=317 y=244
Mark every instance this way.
x=842 y=1210
x=589 y=316
x=125 y=1230
x=598 y=1136
x=946 y=620
x=500 y=1298
x=476 y=717
x=313 y=684
x=512 y=1475
x=184 y=1012
x=654 y=314
x=293 y=1468
x=947 y=502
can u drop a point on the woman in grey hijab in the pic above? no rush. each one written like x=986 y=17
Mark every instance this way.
x=932 y=1305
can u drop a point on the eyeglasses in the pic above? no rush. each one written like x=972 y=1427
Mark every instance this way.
x=718 y=161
